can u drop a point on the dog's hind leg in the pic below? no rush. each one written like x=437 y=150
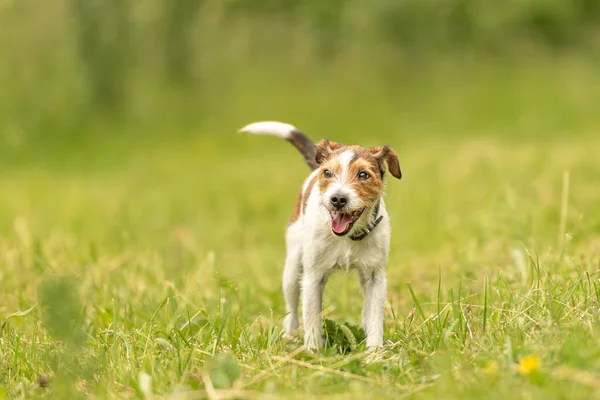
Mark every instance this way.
x=291 y=284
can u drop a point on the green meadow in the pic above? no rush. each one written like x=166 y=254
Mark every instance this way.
x=141 y=237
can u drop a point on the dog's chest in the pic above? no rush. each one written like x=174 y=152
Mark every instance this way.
x=345 y=254
x=324 y=251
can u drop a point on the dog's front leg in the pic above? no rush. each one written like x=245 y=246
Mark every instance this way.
x=313 y=285
x=374 y=285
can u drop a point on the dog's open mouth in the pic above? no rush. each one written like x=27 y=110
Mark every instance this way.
x=342 y=221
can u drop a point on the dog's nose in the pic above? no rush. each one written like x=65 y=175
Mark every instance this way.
x=339 y=200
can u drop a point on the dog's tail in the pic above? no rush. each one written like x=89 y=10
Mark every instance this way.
x=288 y=132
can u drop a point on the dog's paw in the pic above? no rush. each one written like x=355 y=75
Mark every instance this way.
x=313 y=344
x=373 y=348
x=291 y=326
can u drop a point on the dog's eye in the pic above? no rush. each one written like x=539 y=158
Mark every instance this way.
x=327 y=173
x=363 y=176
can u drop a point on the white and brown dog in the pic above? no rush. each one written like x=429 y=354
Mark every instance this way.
x=339 y=222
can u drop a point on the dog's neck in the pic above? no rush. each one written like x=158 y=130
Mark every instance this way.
x=374 y=220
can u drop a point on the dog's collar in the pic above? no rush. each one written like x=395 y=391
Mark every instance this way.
x=360 y=235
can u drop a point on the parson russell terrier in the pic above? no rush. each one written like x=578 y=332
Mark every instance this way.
x=339 y=222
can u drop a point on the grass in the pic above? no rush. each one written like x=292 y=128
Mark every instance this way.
x=140 y=266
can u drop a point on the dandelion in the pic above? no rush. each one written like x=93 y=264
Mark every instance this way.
x=528 y=365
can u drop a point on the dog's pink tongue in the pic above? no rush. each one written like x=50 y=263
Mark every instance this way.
x=340 y=222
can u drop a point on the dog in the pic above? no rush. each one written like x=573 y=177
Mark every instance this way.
x=339 y=222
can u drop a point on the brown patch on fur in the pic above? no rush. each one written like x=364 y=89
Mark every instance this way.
x=301 y=200
x=296 y=213
x=306 y=147
x=336 y=169
x=387 y=154
x=372 y=161
x=307 y=193
x=368 y=189
x=325 y=149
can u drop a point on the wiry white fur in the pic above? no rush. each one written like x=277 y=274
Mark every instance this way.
x=340 y=186
x=314 y=253
x=272 y=128
x=344 y=160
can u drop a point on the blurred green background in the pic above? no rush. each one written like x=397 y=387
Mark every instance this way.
x=120 y=168
x=76 y=71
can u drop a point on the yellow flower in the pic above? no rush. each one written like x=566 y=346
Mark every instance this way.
x=528 y=365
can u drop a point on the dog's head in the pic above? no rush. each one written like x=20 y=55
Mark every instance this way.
x=350 y=180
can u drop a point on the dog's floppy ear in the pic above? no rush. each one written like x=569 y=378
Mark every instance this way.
x=387 y=154
x=324 y=150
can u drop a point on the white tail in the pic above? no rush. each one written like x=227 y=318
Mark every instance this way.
x=273 y=128
x=299 y=140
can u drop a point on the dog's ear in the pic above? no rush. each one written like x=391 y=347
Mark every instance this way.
x=324 y=150
x=387 y=154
